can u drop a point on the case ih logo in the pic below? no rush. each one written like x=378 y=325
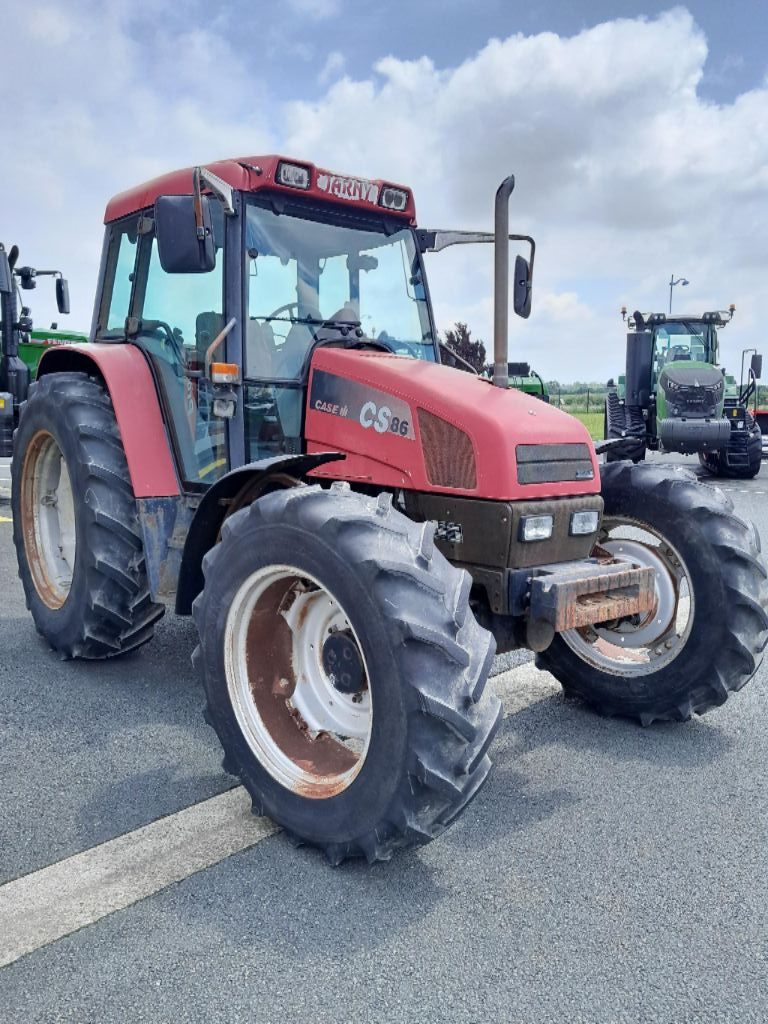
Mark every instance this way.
x=355 y=189
x=372 y=409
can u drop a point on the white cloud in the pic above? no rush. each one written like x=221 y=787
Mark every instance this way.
x=623 y=171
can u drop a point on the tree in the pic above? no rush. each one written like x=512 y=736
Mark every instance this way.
x=460 y=340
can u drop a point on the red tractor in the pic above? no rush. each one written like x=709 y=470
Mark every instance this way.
x=261 y=430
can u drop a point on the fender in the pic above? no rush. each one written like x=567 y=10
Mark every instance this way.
x=124 y=370
x=204 y=528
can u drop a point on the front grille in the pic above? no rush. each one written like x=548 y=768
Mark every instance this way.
x=694 y=400
x=553 y=463
x=449 y=457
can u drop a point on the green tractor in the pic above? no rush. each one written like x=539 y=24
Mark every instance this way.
x=674 y=396
x=21 y=347
x=523 y=378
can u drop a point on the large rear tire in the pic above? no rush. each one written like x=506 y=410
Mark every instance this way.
x=384 y=752
x=706 y=636
x=75 y=523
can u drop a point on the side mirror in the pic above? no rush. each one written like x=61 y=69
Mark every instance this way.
x=757 y=365
x=522 y=293
x=62 y=295
x=180 y=249
x=6 y=278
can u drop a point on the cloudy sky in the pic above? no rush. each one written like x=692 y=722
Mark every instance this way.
x=637 y=132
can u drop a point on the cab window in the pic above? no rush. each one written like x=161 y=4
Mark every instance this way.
x=180 y=315
x=118 y=278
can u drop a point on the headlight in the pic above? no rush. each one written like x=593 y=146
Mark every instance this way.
x=536 y=527
x=584 y=522
x=393 y=198
x=293 y=175
x=671 y=385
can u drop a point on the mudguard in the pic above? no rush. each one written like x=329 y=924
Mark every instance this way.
x=204 y=528
x=125 y=371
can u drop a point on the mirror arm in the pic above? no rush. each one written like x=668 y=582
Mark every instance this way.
x=218 y=186
x=215 y=344
x=437 y=239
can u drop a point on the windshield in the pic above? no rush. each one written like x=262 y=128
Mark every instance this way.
x=310 y=280
x=687 y=341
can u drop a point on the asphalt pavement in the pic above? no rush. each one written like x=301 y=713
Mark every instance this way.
x=605 y=873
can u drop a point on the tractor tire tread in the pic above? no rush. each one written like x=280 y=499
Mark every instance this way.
x=444 y=659
x=117 y=613
x=737 y=602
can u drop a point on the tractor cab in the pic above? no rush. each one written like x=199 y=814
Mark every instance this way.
x=684 y=341
x=286 y=268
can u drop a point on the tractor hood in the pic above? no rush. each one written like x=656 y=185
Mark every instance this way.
x=692 y=389
x=419 y=425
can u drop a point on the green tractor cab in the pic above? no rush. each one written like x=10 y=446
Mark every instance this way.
x=675 y=398
x=21 y=347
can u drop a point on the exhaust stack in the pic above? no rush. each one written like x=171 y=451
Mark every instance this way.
x=501 y=283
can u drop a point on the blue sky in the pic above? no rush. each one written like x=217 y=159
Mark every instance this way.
x=638 y=133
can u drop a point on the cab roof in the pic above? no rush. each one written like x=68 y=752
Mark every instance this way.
x=254 y=173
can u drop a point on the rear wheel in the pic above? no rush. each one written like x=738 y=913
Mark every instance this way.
x=706 y=635
x=75 y=523
x=344 y=673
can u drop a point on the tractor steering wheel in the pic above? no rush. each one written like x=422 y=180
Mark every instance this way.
x=281 y=309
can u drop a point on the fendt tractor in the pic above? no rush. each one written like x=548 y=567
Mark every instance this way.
x=674 y=397
x=262 y=431
x=21 y=347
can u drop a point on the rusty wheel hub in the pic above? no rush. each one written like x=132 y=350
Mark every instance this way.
x=298 y=682
x=48 y=519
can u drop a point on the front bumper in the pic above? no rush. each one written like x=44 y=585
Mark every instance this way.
x=694 y=435
x=572 y=595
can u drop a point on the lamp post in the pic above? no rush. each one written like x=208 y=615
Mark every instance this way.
x=672 y=282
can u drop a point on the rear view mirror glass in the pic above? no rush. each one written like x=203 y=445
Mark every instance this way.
x=6 y=280
x=179 y=248
x=62 y=295
x=522 y=292
x=757 y=365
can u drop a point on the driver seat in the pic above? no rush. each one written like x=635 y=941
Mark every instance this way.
x=259 y=349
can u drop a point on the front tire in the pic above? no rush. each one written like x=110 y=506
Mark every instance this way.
x=75 y=523
x=367 y=761
x=708 y=632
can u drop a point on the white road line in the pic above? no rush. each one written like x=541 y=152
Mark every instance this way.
x=47 y=905
x=55 y=901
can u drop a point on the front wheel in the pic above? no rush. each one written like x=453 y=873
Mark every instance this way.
x=706 y=635
x=344 y=672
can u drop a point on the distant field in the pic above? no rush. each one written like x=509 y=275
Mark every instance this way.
x=593 y=421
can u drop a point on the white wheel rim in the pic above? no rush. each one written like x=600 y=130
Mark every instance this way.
x=645 y=646
x=306 y=734
x=48 y=519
